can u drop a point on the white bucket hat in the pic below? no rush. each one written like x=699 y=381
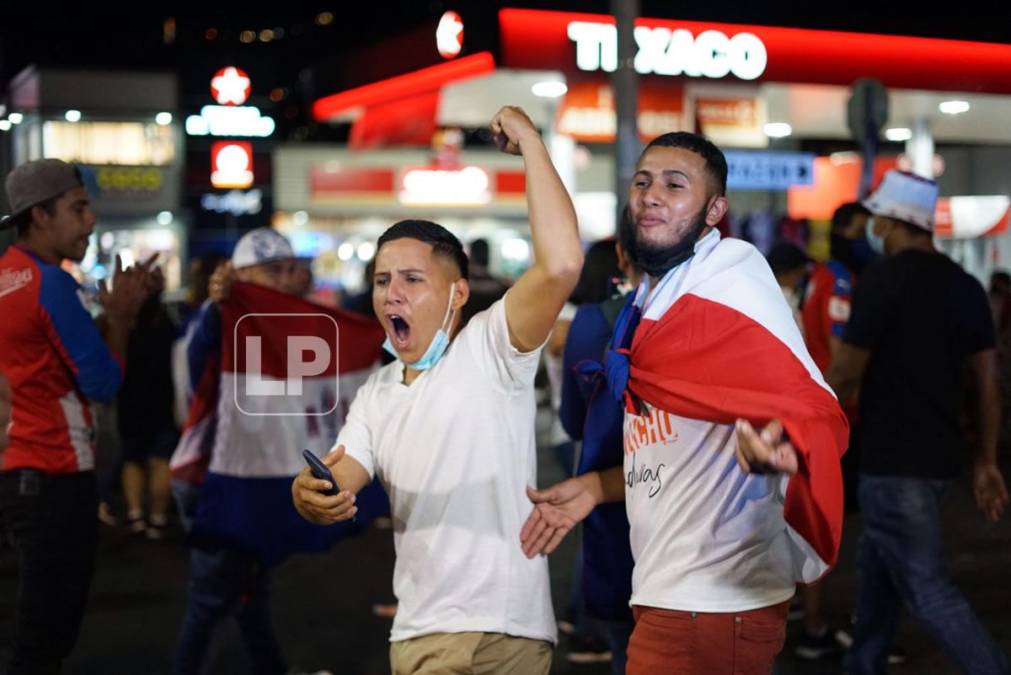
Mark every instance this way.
x=259 y=246
x=905 y=197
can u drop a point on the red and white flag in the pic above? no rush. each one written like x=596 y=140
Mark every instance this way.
x=719 y=343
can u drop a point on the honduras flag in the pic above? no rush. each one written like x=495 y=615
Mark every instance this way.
x=283 y=380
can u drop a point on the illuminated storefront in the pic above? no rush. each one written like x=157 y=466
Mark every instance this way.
x=776 y=98
x=121 y=129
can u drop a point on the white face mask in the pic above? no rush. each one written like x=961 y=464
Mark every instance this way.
x=438 y=345
x=877 y=243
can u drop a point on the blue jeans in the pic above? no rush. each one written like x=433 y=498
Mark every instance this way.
x=224 y=582
x=900 y=560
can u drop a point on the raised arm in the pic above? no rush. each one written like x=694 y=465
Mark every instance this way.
x=533 y=303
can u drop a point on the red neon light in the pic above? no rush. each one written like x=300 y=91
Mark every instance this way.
x=419 y=82
x=232 y=164
x=406 y=121
x=536 y=39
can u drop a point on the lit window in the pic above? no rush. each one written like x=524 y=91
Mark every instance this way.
x=118 y=143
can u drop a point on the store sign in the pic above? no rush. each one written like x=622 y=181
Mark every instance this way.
x=220 y=120
x=663 y=51
x=532 y=39
x=231 y=86
x=587 y=113
x=232 y=164
x=736 y=122
x=121 y=190
x=769 y=170
x=449 y=35
x=972 y=217
x=423 y=186
x=128 y=179
x=235 y=202
x=466 y=186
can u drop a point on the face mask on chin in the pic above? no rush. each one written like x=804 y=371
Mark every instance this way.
x=877 y=243
x=656 y=260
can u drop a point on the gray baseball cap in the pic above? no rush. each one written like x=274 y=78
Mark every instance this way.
x=34 y=182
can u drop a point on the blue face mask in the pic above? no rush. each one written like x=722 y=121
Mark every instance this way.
x=438 y=345
x=877 y=243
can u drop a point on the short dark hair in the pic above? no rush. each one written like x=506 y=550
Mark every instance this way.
x=479 y=253
x=785 y=257
x=716 y=162
x=843 y=215
x=444 y=243
x=23 y=220
x=1000 y=276
x=600 y=266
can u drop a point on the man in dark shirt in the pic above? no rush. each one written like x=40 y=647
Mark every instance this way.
x=917 y=321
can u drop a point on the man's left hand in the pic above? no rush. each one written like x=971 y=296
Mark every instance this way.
x=989 y=490
x=766 y=451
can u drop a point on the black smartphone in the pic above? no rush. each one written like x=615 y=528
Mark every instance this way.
x=321 y=471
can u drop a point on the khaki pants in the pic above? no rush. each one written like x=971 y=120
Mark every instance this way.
x=470 y=654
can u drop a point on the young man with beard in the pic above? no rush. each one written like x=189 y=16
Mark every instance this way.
x=57 y=360
x=449 y=430
x=725 y=519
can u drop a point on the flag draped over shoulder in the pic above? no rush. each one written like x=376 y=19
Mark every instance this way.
x=722 y=345
x=283 y=380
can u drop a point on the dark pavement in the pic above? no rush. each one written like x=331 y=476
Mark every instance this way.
x=322 y=603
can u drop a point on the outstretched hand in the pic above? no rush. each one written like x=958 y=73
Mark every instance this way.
x=557 y=510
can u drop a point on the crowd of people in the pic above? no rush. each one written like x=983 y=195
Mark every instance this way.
x=716 y=413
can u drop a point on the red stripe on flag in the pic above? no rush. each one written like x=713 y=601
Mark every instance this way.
x=703 y=360
x=255 y=311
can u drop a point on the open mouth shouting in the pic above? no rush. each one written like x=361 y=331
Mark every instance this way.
x=401 y=331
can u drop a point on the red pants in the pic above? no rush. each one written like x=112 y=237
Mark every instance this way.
x=689 y=643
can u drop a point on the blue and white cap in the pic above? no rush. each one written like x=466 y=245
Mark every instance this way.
x=259 y=246
x=905 y=197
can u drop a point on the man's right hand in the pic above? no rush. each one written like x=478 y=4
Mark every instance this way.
x=511 y=127
x=220 y=284
x=556 y=511
x=316 y=507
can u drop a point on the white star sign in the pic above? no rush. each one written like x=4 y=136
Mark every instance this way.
x=449 y=35
x=230 y=86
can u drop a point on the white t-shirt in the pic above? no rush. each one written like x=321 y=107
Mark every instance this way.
x=455 y=451
x=705 y=536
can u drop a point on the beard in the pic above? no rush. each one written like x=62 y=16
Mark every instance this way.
x=658 y=259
